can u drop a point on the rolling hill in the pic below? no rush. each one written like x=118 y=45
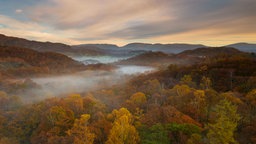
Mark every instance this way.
x=22 y=62
x=47 y=46
x=210 y=52
x=184 y=58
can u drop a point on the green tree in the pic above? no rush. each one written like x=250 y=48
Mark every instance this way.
x=222 y=131
x=156 y=134
x=169 y=133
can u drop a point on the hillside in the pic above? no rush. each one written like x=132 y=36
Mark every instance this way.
x=176 y=102
x=229 y=72
x=187 y=57
x=47 y=46
x=21 y=62
x=35 y=45
x=210 y=52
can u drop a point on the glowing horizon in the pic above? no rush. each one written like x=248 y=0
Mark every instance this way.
x=211 y=23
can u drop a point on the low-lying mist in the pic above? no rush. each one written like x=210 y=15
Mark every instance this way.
x=81 y=82
x=100 y=59
x=133 y=69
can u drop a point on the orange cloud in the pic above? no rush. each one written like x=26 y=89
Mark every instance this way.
x=122 y=21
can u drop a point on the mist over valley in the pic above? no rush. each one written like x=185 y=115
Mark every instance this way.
x=127 y=72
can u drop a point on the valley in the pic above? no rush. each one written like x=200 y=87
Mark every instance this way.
x=163 y=89
x=127 y=72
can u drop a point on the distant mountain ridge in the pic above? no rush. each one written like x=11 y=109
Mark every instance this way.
x=166 y=48
x=246 y=47
x=102 y=46
x=109 y=49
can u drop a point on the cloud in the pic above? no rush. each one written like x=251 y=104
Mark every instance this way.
x=98 y=18
x=18 y=11
x=32 y=30
x=145 y=18
x=122 y=21
x=87 y=13
x=225 y=17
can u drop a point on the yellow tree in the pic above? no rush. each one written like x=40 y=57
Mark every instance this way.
x=75 y=103
x=205 y=83
x=123 y=131
x=6 y=140
x=195 y=139
x=187 y=80
x=151 y=87
x=182 y=90
x=180 y=96
x=139 y=98
x=199 y=103
x=222 y=131
x=251 y=104
x=80 y=131
x=3 y=100
x=61 y=119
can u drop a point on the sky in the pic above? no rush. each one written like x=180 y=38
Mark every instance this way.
x=209 y=22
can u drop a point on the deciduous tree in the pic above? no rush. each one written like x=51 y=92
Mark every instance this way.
x=123 y=131
x=80 y=131
x=222 y=130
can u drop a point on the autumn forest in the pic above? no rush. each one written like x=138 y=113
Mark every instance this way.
x=51 y=93
x=127 y=72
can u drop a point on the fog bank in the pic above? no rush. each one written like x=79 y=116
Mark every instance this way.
x=81 y=82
